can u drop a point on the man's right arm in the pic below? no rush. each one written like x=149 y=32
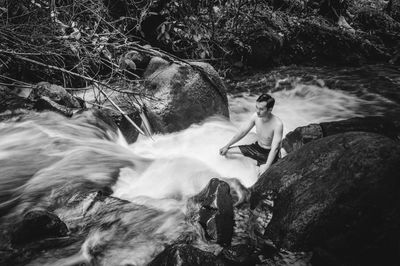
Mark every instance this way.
x=239 y=135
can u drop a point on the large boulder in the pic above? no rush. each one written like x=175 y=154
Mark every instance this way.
x=216 y=211
x=302 y=135
x=337 y=196
x=183 y=94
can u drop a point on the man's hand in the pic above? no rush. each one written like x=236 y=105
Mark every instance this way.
x=223 y=150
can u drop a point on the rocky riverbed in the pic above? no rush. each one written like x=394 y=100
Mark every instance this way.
x=74 y=191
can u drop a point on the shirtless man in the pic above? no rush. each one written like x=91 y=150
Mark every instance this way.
x=269 y=130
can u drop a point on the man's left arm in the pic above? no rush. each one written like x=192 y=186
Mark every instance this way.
x=275 y=146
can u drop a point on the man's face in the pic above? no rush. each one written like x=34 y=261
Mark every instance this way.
x=262 y=109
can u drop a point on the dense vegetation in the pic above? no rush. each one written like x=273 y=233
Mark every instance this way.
x=71 y=42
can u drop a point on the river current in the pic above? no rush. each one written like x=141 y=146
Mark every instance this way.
x=46 y=158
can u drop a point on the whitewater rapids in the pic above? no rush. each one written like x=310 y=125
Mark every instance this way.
x=45 y=158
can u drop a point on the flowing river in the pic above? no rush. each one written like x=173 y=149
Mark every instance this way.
x=46 y=159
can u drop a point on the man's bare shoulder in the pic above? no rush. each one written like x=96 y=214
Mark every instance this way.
x=278 y=122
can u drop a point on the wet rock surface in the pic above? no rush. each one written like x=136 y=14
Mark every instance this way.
x=300 y=136
x=183 y=254
x=88 y=215
x=242 y=254
x=375 y=124
x=216 y=211
x=54 y=93
x=37 y=225
x=40 y=97
x=184 y=94
x=337 y=196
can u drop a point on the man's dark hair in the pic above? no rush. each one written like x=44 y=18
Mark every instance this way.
x=267 y=98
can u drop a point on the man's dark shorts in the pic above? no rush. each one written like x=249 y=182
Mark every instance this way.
x=256 y=152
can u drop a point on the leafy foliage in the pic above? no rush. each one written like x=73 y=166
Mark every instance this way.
x=79 y=36
x=211 y=29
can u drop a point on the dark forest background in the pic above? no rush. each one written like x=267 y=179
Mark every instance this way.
x=106 y=39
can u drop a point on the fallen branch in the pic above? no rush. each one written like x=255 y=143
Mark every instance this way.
x=96 y=83
x=120 y=110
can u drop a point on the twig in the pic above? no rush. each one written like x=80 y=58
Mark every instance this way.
x=99 y=105
x=121 y=111
x=5 y=77
x=11 y=84
x=17 y=53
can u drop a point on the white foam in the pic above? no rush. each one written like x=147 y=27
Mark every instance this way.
x=184 y=162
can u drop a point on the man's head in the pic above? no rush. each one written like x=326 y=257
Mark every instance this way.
x=264 y=104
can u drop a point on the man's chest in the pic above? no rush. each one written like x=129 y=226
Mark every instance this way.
x=264 y=130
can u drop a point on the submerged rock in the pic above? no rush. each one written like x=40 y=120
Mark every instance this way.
x=216 y=212
x=339 y=196
x=183 y=94
x=37 y=225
